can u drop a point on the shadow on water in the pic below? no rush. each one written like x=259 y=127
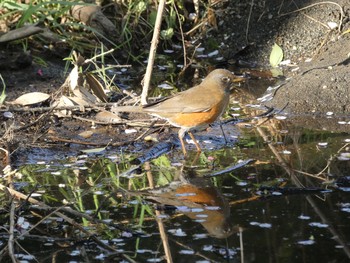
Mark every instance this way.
x=276 y=189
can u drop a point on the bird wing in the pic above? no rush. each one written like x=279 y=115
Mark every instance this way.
x=183 y=102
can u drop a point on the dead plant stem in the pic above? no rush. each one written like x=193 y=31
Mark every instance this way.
x=11 y=232
x=152 y=53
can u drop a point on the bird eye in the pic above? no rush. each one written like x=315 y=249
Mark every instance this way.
x=226 y=79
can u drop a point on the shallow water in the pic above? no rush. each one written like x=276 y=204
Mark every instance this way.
x=273 y=189
x=284 y=198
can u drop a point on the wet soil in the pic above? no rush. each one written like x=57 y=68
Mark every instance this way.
x=319 y=57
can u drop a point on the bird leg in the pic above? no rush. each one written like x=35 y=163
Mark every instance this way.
x=223 y=133
x=195 y=141
x=181 y=137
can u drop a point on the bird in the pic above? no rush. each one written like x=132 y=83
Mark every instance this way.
x=194 y=108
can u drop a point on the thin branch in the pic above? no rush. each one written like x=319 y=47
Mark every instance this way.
x=152 y=53
x=248 y=22
x=182 y=36
x=10 y=242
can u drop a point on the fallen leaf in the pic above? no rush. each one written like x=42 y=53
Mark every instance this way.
x=31 y=98
x=86 y=134
x=107 y=116
x=96 y=87
x=276 y=55
x=63 y=102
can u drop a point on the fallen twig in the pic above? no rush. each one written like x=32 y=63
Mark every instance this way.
x=10 y=242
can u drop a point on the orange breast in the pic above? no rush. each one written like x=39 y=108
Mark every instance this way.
x=194 y=119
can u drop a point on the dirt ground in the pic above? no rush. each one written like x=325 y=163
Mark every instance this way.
x=319 y=68
x=318 y=72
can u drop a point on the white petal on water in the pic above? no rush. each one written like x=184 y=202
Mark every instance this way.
x=177 y=232
x=213 y=208
x=165 y=86
x=186 y=252
x=155 y=260
x=201 y=216
x=176 y=46
x=303 y=217
x=317 y=224
x=344 y=189
x=276 y=193
x=183 y=208
x=200 y=236
x=214 y=53
x=101 y=256
x=265 y=225
x=75 y=253
x=200 y=49
x=306 y=242
x=241 y=183
x=197 y=210
x=163 y=216
x=262 y=225
x=207 y=247
x=235 y=108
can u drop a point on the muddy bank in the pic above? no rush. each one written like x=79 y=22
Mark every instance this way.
x=322 y=85
x=302 y=29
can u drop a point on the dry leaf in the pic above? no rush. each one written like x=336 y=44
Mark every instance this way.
x=107 y=116
x=31 y=98
x=79 y=101
x=64 y=102
x=212 y=18
x=73 y=78
x=96 y=87
x=276 y=55
x=83 y=94
x=86 y=134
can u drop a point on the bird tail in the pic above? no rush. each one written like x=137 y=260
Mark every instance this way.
x=126 y=109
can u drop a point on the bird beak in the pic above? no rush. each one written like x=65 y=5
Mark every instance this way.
x=238 y=79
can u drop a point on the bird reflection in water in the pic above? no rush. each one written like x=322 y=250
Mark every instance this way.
x=197 y=198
